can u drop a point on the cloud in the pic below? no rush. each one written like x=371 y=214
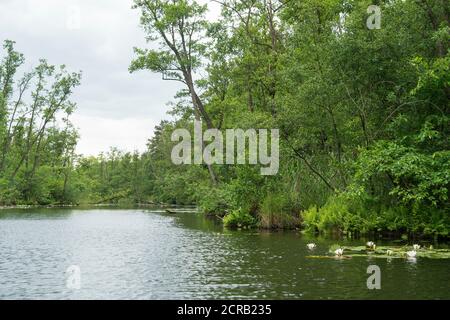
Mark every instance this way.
x=96 y=37
x=126 y=134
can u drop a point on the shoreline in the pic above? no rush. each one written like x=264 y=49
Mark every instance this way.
x=95 y=205
x=391 y=235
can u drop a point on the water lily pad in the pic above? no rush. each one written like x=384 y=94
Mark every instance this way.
x=329 y=257
x=390 y=252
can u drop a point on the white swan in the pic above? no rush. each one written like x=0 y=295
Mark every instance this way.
x=339 y=252
x=416 y=247
x=411 y=254
x=311 y=246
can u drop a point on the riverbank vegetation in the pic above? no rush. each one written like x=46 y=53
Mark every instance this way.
x=363 y=116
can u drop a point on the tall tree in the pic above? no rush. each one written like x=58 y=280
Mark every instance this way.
x=179 y=25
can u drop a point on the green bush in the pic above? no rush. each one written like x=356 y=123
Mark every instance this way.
x=8 y=195
x=215 y=201
x=348 y=215
x=247 y=189
x=239 y=219
x=334 y=216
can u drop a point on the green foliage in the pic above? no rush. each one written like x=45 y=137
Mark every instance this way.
x=214 y=201
x=349 y=215
x=9 y=195
x=416 y=179
x=338 y=216
x=37 y=140
x=247 y=188
x=279 y=211
x=239 y=219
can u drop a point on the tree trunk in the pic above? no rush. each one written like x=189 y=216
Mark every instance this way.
x=201 y=112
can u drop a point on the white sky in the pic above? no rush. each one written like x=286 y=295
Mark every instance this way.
x=115 y=108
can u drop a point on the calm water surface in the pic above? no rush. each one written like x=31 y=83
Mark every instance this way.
x=148 y=254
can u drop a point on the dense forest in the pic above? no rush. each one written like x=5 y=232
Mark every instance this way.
x=363 y=115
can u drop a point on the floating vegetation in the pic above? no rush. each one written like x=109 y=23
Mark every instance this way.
x=384 y=252
x=329 y=257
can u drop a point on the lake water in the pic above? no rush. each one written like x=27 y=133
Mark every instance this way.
x=149 y=254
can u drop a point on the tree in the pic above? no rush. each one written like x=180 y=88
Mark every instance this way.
x=180 y=27
x=29 y=109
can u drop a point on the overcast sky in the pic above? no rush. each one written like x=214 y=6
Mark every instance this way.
x=115 y=108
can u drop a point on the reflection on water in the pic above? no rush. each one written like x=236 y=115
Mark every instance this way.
x=149 y=254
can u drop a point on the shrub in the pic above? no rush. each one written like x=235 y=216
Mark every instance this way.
x=8 y=195
x=214 y=201
x=239 y=219
x=362 y=215
x=334 y=216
